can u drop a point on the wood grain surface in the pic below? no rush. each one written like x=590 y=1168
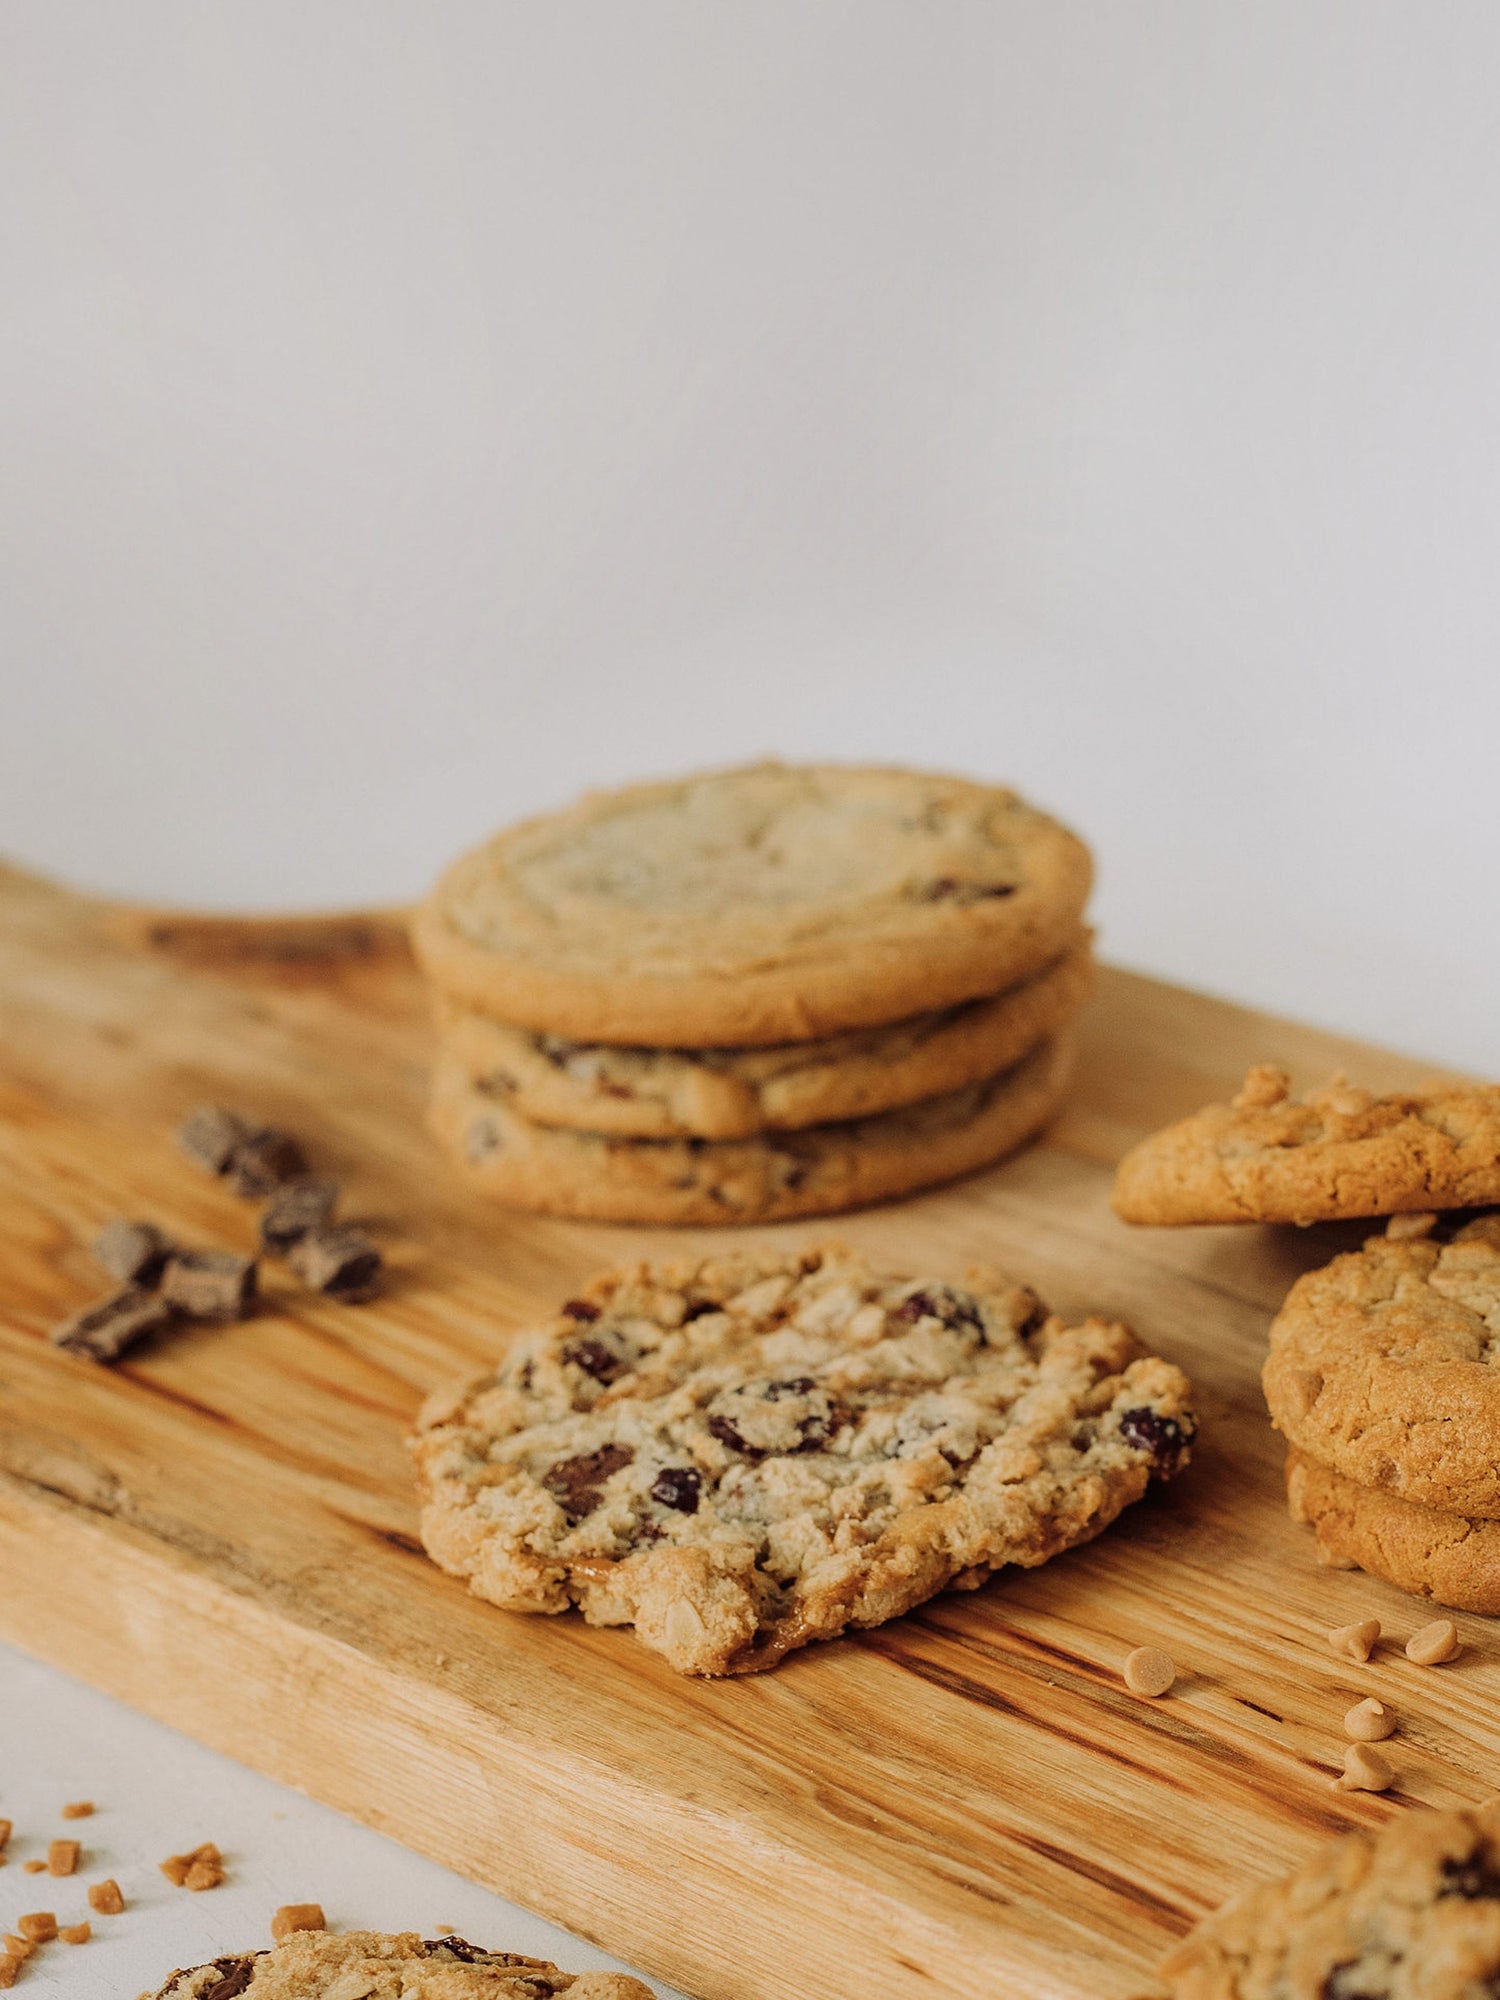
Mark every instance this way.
x=964 y=1803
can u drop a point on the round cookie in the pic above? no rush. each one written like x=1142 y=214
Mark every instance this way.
x=741 y=908
x=747 y=1453
x=315 y=1965
x=734 y=1093
x=1385 y=1365
x=1340 y=1152
x=770 y=1178
x=1408 y=1912
x=1450 y=1558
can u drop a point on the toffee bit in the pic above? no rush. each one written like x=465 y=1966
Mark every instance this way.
x=18 y=1947
x=40 y=1927
x=5 y=1833
x=35 y=1867
x=201 y=1868
x=297 y=1917
x=104 y=1330
x=76 y=1933
x=10 y=1965
x=296 y=1207
x=340 y=1262
x=79 y=1809
x=210 y=1284
x=211 y=1136
x=62 y=1857
x=133 y=1252
x=105 y=1898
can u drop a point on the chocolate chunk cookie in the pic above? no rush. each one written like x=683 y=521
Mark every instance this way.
x=364 y=1965
x=1385 y=1365
x=742 y=1455
x=1450 y=1558
x=766 y=1179
x=1341 y=1151
x=1411 y=1912
x=735 y=1093
x=749 y=907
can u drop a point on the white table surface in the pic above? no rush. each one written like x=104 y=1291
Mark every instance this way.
x=158 y=1793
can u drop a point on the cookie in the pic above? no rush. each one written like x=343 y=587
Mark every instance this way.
x=743 y=1455
x=366 y=1965
x=766 y=1179
x=735 y=1093
x=1385 y=1365
x=1451 y=1558
x=756 y=906
x=1410 y=1911
x=1342 y=1151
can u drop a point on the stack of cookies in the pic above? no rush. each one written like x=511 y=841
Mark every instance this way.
x=755 y=994
x=1384 y=1371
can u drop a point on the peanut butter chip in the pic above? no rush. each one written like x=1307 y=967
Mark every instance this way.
x=1365 y=1770
x=297 y=1917
x=1149 y=1671
x=1369 y=1722
x=1435 y=1644
x=1356 y=1642
x=1406 y=1228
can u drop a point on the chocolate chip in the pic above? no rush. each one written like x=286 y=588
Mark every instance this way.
x=103 y=1331
x=582 y=1309
x=959 y=1311
x=595 y=1359
x=575 y=1483
x=210 y=1284
x=261 y=1163
x=297 y=1206
x=725 y=1432
x=237 y=1974
x=762 y=1419
x=1166 y=1438
x=340 y=1262
x=678 y=1486
x=211 y=1135
x=133 y=1252
x=1476 y=1878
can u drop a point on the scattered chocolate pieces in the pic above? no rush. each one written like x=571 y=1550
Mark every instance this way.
x=341 y=1262
x=1356 y=1642
x=62 y=1857
x=1369 y=1722
x=1435 y=1644
x=263 y=1161
x=76 y=1933
x=105 y=1898
x=211 y=1136
x=79 y=1809
x=104 y=1330
x=1365 y=1770
x=297 y=1207
x=133 y=1252
x=1149 y=1671
x=210 y=1284
x=297 y=1917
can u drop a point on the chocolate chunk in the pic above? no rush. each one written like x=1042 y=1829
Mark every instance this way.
x=775 y=1418
x=595 y=1359
x=581 y=1309
x=575 y=1483
x=340 y=1262
x=210 y=1284
x=237 y=1974
x=957 y=1310
x=103 y=1331
x=678 y=1486
x=212 y=1136
x=1476 y=1878
x=265 y=1160
x=1165 y=1438
x=297 y=1206
x=133 y=1252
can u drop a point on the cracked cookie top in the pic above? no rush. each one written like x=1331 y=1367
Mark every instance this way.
x=366 y=1965
x=1341 y=1151
x=769 y=904
x=1385 y=1365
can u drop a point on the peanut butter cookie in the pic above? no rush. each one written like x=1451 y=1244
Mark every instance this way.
x=365 y=1965
x=769 y=1178
x=1450 y=1558
x=1342 y=1151
x=743 y=1455
x=750 y=907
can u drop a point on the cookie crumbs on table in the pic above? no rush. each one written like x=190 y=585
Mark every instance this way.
x=1434 y=1645
x=1356 y=1642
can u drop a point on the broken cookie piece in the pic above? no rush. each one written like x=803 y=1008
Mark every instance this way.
x=210 y=1284
x=104 y=1330
x=340 y=1262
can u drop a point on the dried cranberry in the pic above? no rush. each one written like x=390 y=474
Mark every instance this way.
x=574 y=1483
x=678 y=1486
x=1166 y=1438
x=595 y=1359
x=583 y=1309
x=1474 y=1878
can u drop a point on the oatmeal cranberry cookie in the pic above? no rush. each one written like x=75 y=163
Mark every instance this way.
x=1450 y=1558
x=747 y=907
x=743 y=1455
x=1385 y=1365
x=766 y=1179
x=1409 y=1912
x=365 y=1965
x=735 y=1093
x=1341 y=1151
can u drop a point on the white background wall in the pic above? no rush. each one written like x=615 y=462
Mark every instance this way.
x=411 y=413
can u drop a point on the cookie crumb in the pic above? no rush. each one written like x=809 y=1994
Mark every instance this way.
x=76 y=1933
x=1369 y=1722
x=62 y=1857
x=105 y=1898
x=1265 y=1085
x=79 y=1809
x=35 y=1867
x=1365 y=1770
x=1435 y=1644
x=1356 y=1642
x=297 y=1917
x=1149 y=1671
x=39 y=1927
x=1413 y=1224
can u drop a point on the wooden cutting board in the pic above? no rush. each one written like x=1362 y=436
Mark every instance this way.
x=963 y=1803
